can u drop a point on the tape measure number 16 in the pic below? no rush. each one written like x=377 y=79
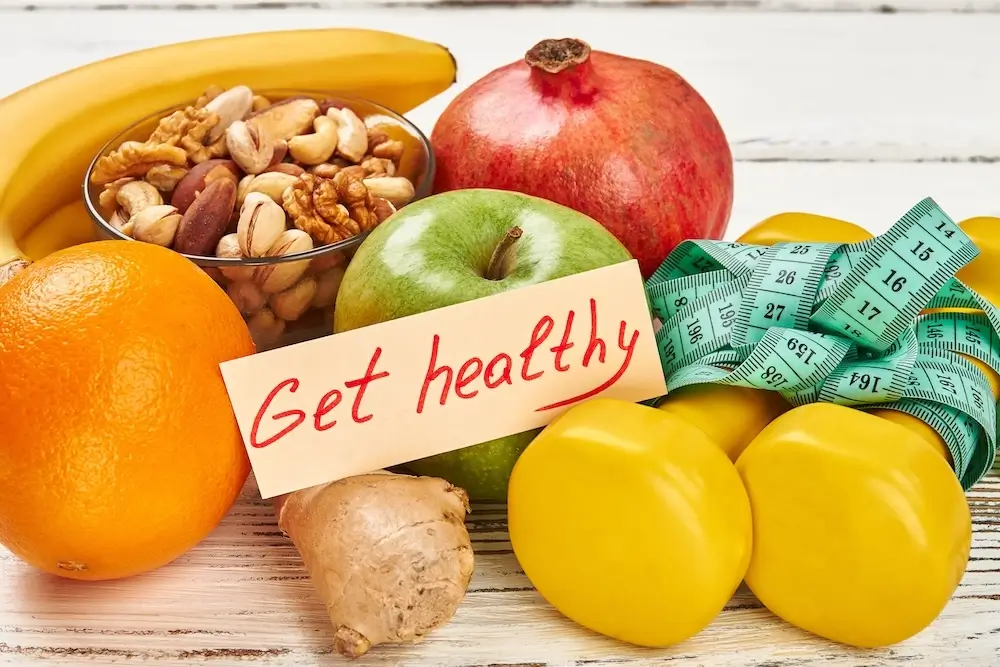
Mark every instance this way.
x=842 y=324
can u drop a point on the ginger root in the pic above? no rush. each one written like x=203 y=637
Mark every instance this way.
x=388 y=554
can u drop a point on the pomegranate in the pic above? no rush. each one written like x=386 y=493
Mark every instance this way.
x=628 y=142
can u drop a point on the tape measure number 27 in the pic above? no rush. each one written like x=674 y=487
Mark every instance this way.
x=842 y=324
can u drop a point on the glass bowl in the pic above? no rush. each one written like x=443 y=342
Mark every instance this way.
x=324 y=263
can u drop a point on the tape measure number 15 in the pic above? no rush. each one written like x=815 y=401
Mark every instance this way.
x=842 y=324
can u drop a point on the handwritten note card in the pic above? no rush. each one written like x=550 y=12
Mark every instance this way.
x=452 y=377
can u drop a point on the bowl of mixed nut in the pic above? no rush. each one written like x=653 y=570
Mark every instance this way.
x=270 y=192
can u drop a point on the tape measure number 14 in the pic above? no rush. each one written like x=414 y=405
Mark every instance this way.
x=842 y=324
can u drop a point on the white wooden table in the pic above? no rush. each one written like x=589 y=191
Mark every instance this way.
x=851 y=108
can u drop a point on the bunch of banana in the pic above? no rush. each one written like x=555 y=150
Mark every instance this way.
x=52 y=130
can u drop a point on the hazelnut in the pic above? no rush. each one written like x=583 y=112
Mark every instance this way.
x=261 y=223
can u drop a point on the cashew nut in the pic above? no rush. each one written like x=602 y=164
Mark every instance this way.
x=352 y=134
x=316 y=148
x=137 y=195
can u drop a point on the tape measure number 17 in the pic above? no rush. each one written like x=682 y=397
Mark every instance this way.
x=842 y=324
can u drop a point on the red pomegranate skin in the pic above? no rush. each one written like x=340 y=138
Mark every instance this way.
x=628 y=142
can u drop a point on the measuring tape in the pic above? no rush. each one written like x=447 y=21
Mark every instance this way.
x=840 y=324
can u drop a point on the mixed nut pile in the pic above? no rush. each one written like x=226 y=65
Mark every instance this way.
x=235 y=176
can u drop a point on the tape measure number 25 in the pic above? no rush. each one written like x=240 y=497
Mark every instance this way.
x=841 y=324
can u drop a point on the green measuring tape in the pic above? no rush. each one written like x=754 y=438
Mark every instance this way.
x=841 y=324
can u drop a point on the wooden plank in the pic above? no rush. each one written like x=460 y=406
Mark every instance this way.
x=880 y=6
x=243 y=598
x=786 y=86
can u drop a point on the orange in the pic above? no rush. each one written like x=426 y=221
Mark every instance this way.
x=119 y=450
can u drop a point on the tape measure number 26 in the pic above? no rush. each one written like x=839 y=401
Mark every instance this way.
x=842 y=324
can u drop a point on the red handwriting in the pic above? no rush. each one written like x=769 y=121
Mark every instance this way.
x=532 y=364
x=628 y=348
x=324 y=407
x=556 y=344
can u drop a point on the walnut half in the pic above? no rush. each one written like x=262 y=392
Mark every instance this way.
x=331 y=209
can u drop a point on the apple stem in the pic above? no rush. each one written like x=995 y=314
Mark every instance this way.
x=498 y=260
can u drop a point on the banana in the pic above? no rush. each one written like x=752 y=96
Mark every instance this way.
x=51 y=130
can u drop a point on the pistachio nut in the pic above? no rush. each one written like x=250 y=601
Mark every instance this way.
x=272 y=183
x=230 y=106
x=397 y=190
x=229 y=248
x=290 y=304
x=261 y=223
x=327 y=286
x=249 y=147
x=266 y=328
x=273 y=278
x=156 y=224
x=247 y=296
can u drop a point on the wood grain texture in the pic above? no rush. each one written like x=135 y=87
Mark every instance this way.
x=804 y=87
x=243 y=597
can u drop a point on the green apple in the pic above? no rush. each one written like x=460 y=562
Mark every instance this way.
x=455 y=247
